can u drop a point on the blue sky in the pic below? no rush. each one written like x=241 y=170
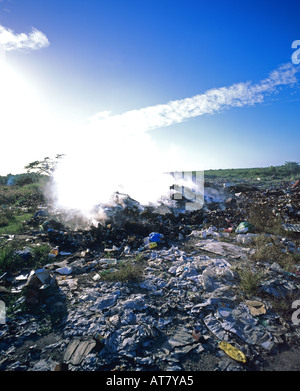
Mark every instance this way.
x=120 y=56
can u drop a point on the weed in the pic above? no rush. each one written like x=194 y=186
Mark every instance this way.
x=249 y=281
x=11 y=261
x=41 y=253
x=12 y=303
x=128 y=270
x=6 y=215
x=268 y=250
x=263 y=220
x=283 y=306
x=12 y=220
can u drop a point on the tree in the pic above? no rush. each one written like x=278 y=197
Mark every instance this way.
x=46 y=166
x=292 y=167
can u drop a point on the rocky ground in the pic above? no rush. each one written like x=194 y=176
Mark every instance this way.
x=106 y=301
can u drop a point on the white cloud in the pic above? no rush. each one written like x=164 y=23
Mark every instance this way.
x=35 y=40
x=212 y=101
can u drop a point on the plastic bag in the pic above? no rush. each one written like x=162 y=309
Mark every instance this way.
x=244 y=227
x=155 y=237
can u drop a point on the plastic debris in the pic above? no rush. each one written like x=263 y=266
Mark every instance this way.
x=41 y=283
x=64 y=270
x=53 y=252
x=196 y=334
x=26 y=254
x=244 y=227
x=155 y=237
x=246 y=239
x=107 y=262
x=291 y=227
x=226 y=249
x=232 y=351
x=256 y=307
x=99 y=338
x=97 y=277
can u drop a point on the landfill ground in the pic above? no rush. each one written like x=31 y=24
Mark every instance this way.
x=104 y=301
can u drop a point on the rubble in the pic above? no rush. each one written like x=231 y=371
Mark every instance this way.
x=185 y=311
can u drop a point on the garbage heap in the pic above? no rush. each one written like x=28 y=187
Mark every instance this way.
x=187 y=309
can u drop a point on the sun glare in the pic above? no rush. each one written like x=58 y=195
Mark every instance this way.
x=18 y=100
x=24 y=121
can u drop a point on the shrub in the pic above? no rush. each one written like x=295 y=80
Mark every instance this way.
x=249 y=281
x=267 y=249
x=11 y=261
x=263 y=220
x=128 y=270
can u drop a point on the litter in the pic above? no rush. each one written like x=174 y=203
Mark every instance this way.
x=226 y=249
x=26 y=254
x=114 y=248
x=40 y=283
x=99 y=338
x=233 y=352
x=291 y=227
x=64 y=270
x=296 y=184
x=22 y=277
x=213 y=275
x=246 y=238
x=256 y=307
x=2 y=312
x=243 y=228
x=150 y=245
x=64 y=253
x=151 y=241
x=96 y=277
x=196 y=334
x=53 y=252
x=42 y=274
x=77 y=350
x=211 y=231
x=107 y=262
x=155 y=237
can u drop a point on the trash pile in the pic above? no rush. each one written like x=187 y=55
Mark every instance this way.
x=184 y=311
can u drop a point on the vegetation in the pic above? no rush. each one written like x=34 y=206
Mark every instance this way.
x=18 y=195
x=44 y=167
x=12 y=222
x=127 y=270
x=261 y=216
x=289 y=171
x=267 y=249
x=282 y=306
x=249 y=281
x=17 y=255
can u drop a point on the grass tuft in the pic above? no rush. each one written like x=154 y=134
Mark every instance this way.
x=126 y=271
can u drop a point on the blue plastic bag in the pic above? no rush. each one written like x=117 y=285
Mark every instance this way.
x=155 y=237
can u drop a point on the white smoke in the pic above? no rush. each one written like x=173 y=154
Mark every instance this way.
x=117 y=152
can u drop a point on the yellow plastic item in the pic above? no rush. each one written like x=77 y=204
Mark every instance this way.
x=233 y=352
x=152 y=244
x=54 y=251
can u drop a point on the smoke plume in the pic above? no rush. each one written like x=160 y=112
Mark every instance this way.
x=117 y=152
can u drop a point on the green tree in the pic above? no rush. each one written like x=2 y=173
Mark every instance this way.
x=46 y=166
x=292 y=167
